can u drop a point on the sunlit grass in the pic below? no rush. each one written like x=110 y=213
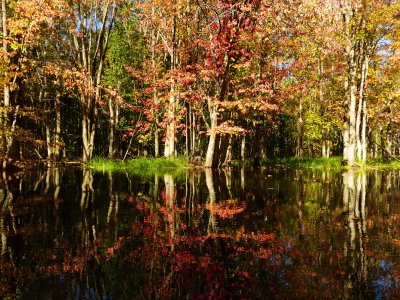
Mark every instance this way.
x=318 y=162
x=382 y=164
x=141 y=163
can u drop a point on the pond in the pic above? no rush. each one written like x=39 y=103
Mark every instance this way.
x=268 y=233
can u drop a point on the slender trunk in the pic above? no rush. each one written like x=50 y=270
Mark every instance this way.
x=243 y=149
x=170 y=132
x=170 y=203
x=299 y=142
x=86 y=135
x=352 y=119
x=112 y=131
x=57 y=139
x=48 y=142
x=6 y=90
x=228 y=155
x=187 y=130
x=325 y=135
x=113 y=117
x=364 y=114
x=155 y=97
x=212 y=227
x=6 y=96
x=213 y=138
x=193 y=139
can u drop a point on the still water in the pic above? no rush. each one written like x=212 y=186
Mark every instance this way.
x=270 y=233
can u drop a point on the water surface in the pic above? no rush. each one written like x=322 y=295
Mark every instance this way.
x=271 y=233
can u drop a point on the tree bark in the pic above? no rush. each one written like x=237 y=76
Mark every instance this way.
x=6 y=90
x=213 y=136
x=170 y=131
x=243 y=148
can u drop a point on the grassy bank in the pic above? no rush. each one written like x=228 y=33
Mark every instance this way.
x=380 y=164
x=162 y=164
x=322 y=162
x=315 y=162
x=137 y=164
x=333 y=163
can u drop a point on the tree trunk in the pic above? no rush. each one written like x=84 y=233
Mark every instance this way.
x=193 y=139
x=187 y=130
x=114 y=119
x=112 y=130
x=170 y=132
x=155 y=97
x=352 y=118
x=228 y=156
x=6 y=91
x=299 y=140
x=213 y=138
x=243 y=149
x=58 y=129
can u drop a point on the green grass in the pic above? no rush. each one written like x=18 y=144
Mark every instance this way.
x=332 y=163
x=318 y=162
x=381 y=164
x=137 y=164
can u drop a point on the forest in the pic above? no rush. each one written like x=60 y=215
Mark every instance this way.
x=216 y=80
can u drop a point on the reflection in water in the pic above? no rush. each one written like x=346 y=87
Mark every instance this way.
x=354 y=196
x=170 y=204
x=236 y=233
x=212 y=227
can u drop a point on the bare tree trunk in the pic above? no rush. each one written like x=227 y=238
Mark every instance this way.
x=187 y=131
x=111 y=136
x=113 y=108
x=57 y=139
x=364 y=110
x=88 y=132
x=6 y=89
x=213 y=137
x=243 y=149
x=154 y=38
x=299 y=141
x=228 y=155
x=170 y=132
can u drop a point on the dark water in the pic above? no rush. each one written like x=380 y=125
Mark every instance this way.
x=271 y=233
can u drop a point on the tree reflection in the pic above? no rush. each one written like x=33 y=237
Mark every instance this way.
x=170 y=194
x=212 y=227
x=354 y=198
x=274 y=234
